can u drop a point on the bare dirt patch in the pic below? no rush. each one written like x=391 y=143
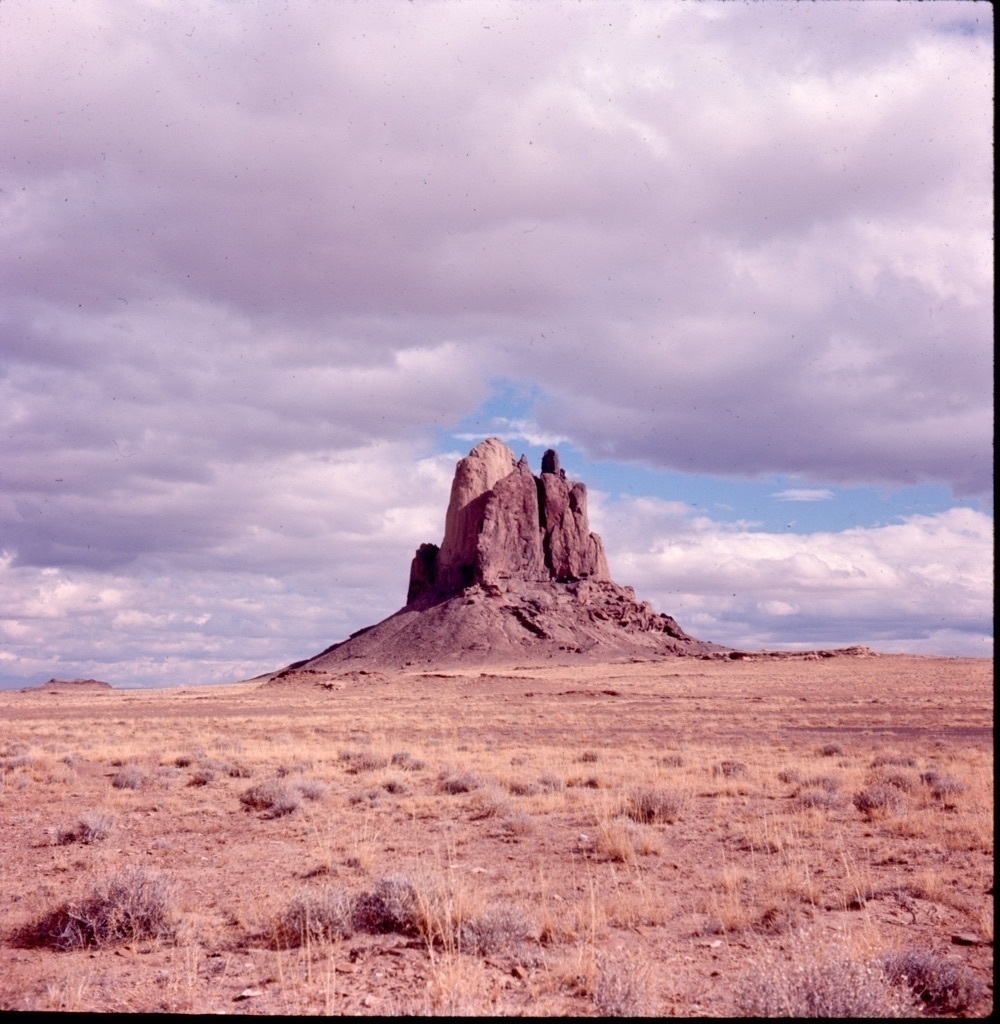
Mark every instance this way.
x=609 y=859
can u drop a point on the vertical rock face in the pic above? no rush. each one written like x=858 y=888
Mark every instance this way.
x=505 y=523
x=475 y=477
x=572 y=552
x=509 y=545
x=423 y=572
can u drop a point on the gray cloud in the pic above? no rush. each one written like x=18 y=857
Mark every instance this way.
x=241 y=247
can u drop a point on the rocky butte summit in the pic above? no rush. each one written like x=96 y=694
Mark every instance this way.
x=519 y=578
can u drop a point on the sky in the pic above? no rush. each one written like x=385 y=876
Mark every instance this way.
x=267 y=270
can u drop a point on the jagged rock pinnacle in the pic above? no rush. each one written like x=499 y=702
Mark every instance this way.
x=503 y=523
x=518 y=575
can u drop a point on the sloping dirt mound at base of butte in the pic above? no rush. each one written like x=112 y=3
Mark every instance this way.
x=511 y=622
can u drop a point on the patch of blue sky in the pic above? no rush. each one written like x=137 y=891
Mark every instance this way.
x=776 y=503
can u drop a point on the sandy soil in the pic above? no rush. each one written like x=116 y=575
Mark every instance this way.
x=674 y=838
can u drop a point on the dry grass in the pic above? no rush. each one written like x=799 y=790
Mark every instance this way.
x=91 y=827
x=627 y=839
x=313 y=916
x=271 y=796
x=943 y=986
x=817 y=986
x=650 y=806
x=501 y=928
x=127 y=906
x=129 y=776
x=621 y=988
x=392 y=906
x=458 y=782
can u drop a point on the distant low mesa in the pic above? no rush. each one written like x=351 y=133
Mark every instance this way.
x=70 y=686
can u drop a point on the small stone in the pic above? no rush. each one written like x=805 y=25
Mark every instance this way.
x=248 y=993
x=965 y=939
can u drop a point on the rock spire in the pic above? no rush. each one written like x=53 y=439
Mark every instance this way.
x=518 y=576
x=504 y=523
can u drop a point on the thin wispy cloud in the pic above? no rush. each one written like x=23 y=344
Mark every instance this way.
x=804 y=494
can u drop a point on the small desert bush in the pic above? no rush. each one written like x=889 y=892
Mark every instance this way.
x=518 y=824
x=620 y=990
x=818 y=798
x=497 y=930
x=490 y=802
x=461 y=782
x=730 y=769
x=777 y=919
x=878 y=802
x=894 y=760
x=129 y=776
x=92 y=827
x=835 y=987
x=886 y=775
x=550 y=783
x=272 y=796
x=392 y=906
x=653 y=805
x=672 y=761
x=314 y=917
x=942 y=786
x=363 y=761
x=831 y=750
x=167 y=775
x=789 y=775
x=128 y=906
x=589 y=757
x=819 y=791
x=829 y=783
x=403 y=759
x=620 y=839
x=311 y=789
x=11 y=764
x=521 y=787
x=943 y=986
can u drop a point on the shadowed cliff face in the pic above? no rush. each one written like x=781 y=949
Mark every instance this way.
x=504 y=523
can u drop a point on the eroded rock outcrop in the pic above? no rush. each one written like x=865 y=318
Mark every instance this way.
x=504 y=523
x=519 y=578
x=519 y=575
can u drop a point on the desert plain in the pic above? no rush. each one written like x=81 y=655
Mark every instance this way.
x=667 y=837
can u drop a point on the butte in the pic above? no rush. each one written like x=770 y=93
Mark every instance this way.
x=519 y=578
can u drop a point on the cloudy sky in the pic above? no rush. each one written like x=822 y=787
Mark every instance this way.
x=268 y=269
